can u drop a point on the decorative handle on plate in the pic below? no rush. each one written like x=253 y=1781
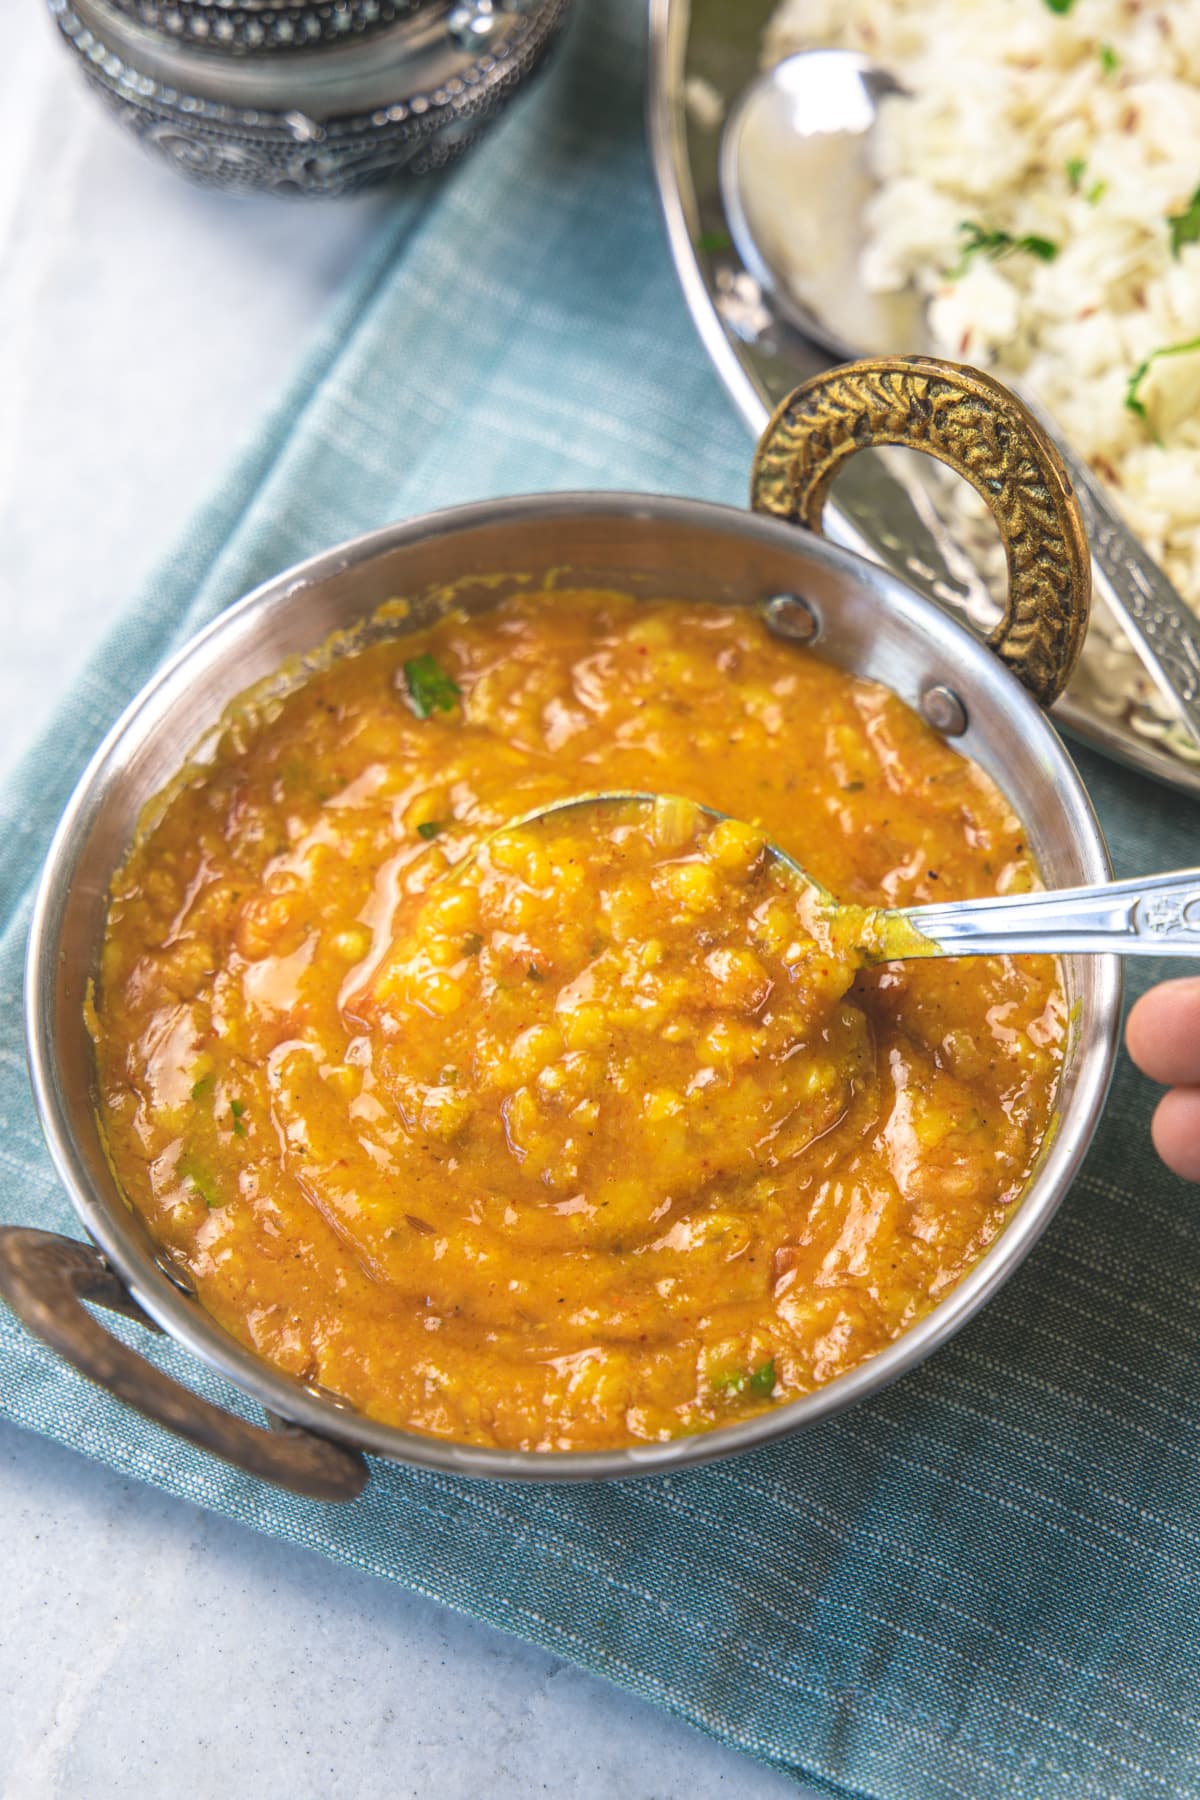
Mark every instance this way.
x=1156 y=916
x=970 y=422
x=45 y=1279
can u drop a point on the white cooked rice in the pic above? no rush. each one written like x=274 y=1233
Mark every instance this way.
x=1008 y=98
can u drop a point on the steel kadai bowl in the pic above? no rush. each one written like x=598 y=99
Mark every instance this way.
x=859 y=617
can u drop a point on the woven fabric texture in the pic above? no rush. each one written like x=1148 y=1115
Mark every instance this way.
x=984 y=1582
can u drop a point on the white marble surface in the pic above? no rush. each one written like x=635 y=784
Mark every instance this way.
x=147 y=1648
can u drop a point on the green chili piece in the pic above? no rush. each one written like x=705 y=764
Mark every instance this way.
x=200 y=1179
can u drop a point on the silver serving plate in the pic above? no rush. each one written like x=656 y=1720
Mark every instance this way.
x=886 y=505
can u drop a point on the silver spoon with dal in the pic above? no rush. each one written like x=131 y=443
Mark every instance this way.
x=802 y=127
x=1157 y=915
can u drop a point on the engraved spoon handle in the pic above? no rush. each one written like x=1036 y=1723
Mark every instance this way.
x=1154 y=617
x=1158 y=915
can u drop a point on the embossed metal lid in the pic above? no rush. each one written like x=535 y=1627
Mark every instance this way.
x=340 y=57
x=307 y=96
x=255 y=25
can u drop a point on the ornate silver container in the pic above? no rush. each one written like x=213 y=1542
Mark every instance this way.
x=307 y=96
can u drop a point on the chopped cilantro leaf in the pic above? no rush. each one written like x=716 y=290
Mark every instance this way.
x=1096 y=193
x=712 y=241
x=762 y=1382
x=237 y=1109
x=203 y=1089
x=1060 y=6
x=1110 y=62
x=1133 y=398
x=1185 y=225
x=1075 y=168
x=295 y=772
x=429 y=829
x=998 y=244
x=430 y=689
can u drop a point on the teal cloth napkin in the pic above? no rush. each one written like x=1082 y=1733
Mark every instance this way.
x=984 y=1582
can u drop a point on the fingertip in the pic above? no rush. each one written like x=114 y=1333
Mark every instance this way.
x=1176 y=1132
x=1162 y=1032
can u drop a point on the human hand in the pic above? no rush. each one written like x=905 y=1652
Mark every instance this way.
x=1162 y=1035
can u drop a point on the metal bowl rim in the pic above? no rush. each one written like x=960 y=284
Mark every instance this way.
x=190 y=1326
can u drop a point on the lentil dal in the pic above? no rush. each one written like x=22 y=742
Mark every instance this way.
x=599 y=1140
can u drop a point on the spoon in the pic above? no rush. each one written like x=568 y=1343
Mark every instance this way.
x=1157 y=915
x=802 y=129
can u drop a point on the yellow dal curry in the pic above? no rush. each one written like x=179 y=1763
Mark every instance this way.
x=600 y=1139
